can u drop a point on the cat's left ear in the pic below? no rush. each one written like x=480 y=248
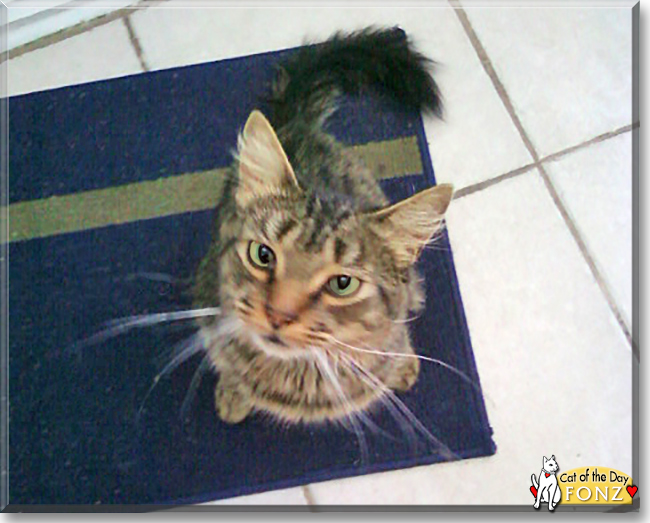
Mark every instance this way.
x=263 y=166
x=409 y=225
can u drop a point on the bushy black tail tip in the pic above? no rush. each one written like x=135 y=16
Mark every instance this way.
x=410 y=75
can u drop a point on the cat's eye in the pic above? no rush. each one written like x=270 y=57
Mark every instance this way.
x=343 y=285
x=260 y=255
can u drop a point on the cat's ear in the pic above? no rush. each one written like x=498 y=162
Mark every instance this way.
x=263 y=167
x=409 y=225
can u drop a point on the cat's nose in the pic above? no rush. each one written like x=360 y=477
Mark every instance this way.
x=278 y=318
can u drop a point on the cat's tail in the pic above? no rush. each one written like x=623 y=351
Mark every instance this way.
x=534 y=480
x=384 y=59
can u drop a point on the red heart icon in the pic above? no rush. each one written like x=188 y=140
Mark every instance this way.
x=631 y=490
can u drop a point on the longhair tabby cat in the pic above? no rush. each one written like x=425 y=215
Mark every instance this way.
x=312 y=270
x=305 y=296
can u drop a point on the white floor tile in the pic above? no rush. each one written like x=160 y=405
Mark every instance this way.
x=595 y=185
x=104 y=52
x=292 y=496
x=477 y=139
x=554 y=364
x=40 y=21
x=568 y=71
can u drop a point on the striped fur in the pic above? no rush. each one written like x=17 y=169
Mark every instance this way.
x=297 y=348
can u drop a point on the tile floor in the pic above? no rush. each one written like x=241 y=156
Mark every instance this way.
x=537 y=139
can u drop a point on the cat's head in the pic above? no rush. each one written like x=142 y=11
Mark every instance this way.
x=550 y=464
x=308 y=270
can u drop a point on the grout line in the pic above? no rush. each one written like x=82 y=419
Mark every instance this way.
x=76 y=30
x=484 y=184
x=64 y=34
x=135 y=42
x=573 y=229
x=589 y=259
x=600 y=138
x=492 y=74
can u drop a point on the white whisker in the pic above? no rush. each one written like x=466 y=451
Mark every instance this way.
x=194 y=385
x=436 y=247
x=146 y=320
x=183 y=351
x=362 y=415
x=124 y=325
x=219 y=336
x=384 y=398
x=154 y=276
x=407 y=320
x=447 y=366
x=323 y=364
x=405 y=411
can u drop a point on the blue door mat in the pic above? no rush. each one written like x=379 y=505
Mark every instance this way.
x=111 y=189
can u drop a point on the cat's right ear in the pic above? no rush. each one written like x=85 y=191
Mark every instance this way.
x=263 y=167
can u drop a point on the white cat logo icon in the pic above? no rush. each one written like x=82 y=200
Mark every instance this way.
x=547 y=489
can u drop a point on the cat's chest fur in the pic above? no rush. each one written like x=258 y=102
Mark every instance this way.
x=303 y=389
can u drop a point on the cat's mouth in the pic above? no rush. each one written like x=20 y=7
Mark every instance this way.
x=277 y=346
x=275 y=339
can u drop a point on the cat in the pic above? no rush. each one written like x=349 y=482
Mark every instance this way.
x=547 y=489
x=311 y=270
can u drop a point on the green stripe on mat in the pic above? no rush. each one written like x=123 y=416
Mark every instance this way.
x=173 y=195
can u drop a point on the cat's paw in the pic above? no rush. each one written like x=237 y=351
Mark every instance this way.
x=406 y=376
x=232 y=403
